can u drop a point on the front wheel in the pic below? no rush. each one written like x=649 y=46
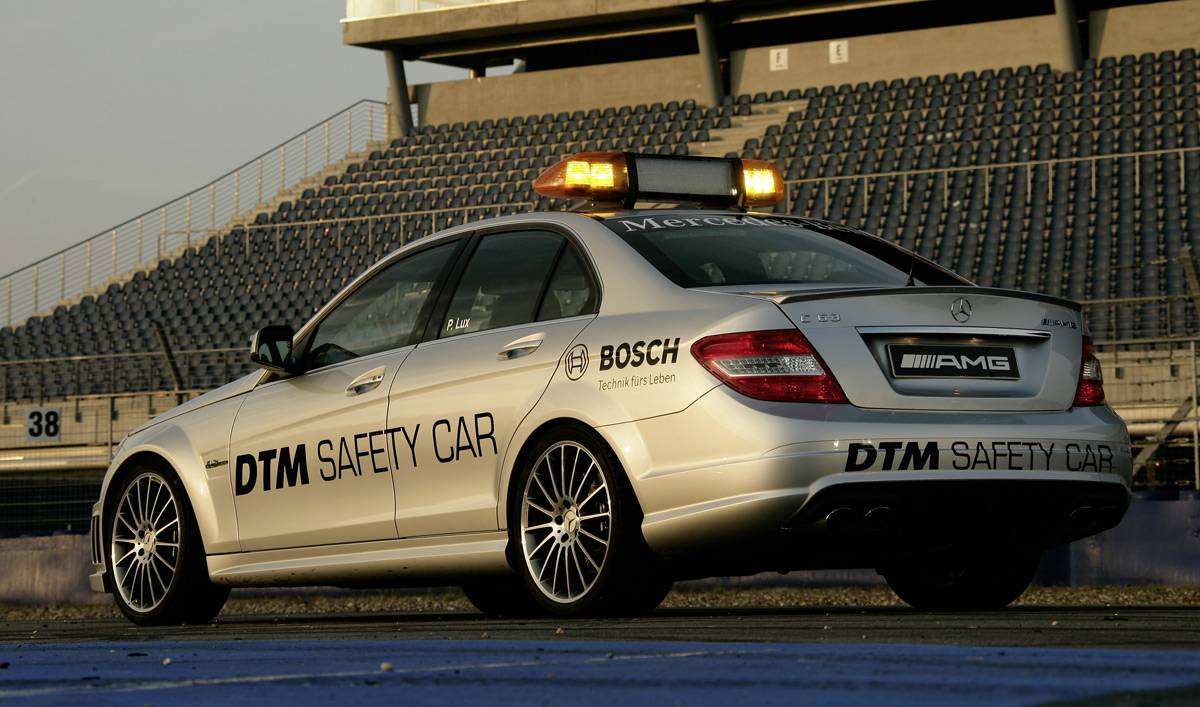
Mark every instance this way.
x=965 y=580
x=155 y=554
x=578 y=528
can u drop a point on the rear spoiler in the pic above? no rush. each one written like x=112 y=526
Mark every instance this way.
x=936 y=290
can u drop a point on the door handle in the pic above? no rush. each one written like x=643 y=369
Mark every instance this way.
x=518 y=349
x=366 y=382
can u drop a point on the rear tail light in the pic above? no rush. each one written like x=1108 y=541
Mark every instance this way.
x=1090 y=391
x=769 y=365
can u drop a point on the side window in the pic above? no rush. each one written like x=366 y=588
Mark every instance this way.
x=571 y=291
x=503 y=283
x=381 y=313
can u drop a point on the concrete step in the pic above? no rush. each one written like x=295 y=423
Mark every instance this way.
x=744 y=127
x=311 y=182
x=268 y=207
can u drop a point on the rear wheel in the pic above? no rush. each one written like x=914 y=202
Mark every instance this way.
x=964 y=580
x=578 y=528
x=155 y=554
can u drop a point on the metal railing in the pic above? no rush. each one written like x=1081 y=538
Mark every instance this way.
x=862 y=189
x=144 y=240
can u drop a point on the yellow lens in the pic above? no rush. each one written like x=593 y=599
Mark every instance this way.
x=602 y=174
x=589 y=174
x=597 y=176
x=759 y=183
x=578 y=174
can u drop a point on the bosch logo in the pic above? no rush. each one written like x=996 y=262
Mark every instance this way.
x=961 y=310
x=653 y=353
x=576 y=362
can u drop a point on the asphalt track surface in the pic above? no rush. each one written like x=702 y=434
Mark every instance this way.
x=875 y=656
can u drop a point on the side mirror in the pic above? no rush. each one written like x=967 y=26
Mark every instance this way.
x=271 y=349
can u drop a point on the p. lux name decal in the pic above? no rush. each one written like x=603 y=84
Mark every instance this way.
x=376 y=452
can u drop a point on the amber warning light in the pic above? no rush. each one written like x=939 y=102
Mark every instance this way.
x=626 y=177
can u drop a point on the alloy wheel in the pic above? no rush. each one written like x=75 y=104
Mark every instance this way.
x=145 y=542
x=566 y=522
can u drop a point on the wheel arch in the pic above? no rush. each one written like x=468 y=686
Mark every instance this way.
x=208 y=494
x=162 y=575
x=512 y=469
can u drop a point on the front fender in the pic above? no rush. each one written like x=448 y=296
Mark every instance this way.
x=196 y=446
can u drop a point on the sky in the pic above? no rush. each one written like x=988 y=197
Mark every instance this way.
x=110 y=109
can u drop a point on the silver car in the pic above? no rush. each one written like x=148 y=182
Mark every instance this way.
x=566 y=412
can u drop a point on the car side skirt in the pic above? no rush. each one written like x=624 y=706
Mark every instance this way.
x=388 y=563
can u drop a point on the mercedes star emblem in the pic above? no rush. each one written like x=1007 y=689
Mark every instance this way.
x=961 y=309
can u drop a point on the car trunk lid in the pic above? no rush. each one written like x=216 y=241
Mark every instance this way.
x=945 y=348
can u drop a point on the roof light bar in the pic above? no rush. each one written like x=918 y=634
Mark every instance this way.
x=627 y=177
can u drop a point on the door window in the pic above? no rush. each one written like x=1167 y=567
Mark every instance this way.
x=504 y=283
x=382 y=313
x=571 y=292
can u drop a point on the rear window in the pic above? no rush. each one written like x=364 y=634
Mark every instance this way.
x=722 y=250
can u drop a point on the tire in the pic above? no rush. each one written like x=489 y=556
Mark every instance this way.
x=501 y=596
x=577 y=527
x=964 y=580
x=156 y=567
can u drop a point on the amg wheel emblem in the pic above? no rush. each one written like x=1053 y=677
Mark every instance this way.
x=961 y=309
x=576 y=362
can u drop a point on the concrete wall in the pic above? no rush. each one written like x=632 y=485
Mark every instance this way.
x=1008 y=43
x=507 y=18
x=1032 y=41
x=47 y=570
x=674 y=78
x=1158 y=542
x=1137 y=29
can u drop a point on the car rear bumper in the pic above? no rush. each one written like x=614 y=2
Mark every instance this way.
x=728 y=470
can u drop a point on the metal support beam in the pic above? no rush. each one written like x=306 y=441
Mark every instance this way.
x=1189 y=273
x=169 y=357
x=1160 y=437
x=1068 y=30
x=710 y=58
x=399 y=120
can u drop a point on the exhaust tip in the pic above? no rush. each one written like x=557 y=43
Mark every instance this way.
x=841 y=518
x=880 y=518
x=1083 y=517
x=1108 y=517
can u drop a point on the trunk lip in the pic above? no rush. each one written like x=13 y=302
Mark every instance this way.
x=960 y=329
x=782 y=299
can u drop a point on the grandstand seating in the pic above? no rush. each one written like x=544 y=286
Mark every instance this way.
x=998 y=175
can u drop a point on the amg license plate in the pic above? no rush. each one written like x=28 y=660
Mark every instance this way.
x=917 y=361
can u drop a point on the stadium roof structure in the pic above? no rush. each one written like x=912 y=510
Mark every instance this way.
x=558 y=34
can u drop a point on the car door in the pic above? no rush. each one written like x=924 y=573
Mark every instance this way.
x=488 y=355
x=311 y=454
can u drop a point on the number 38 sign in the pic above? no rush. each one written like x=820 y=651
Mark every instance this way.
x=43 y=424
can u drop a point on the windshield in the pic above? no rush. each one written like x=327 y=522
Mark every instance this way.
x=702 y=250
